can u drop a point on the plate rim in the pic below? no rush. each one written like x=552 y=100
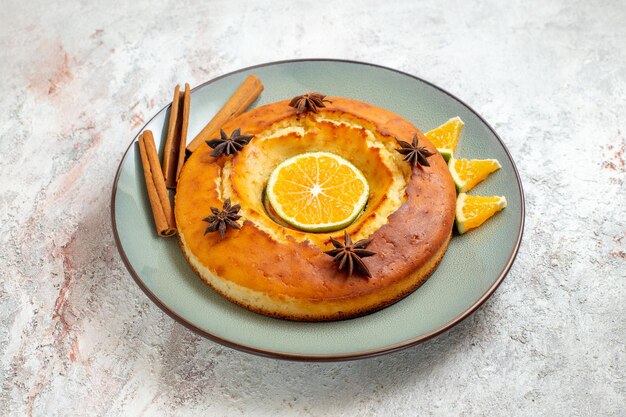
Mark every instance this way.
x=322 y=357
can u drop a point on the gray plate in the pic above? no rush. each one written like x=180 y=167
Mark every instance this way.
x=470 y=272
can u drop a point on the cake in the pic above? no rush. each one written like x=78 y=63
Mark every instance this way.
x=280 y=271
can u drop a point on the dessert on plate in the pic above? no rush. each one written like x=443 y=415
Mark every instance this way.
x=316 y=208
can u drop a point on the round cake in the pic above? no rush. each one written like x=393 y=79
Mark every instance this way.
x=280 y=271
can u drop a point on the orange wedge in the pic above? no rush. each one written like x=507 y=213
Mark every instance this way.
x=472 y=210
x=466 y=173
x=317 y=192
x=446 y=136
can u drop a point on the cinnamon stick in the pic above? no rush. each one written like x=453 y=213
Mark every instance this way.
x=171 y=150
x=155 y=184
x=182 y=144
x=241 y=99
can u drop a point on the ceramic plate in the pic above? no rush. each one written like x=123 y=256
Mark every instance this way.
x=471 y=270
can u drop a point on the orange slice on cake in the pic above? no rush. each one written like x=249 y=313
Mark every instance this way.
x=317 y=192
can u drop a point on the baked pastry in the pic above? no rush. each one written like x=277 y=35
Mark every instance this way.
x=283 y=272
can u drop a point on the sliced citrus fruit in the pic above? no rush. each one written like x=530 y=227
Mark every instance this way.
x=446 y=136
x=466 y=173
x=271 y=212
x=317 y=192
x=473 y=210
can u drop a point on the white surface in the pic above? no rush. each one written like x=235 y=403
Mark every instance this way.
x=78 y=337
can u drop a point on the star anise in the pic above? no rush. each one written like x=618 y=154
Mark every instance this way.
x=228 y=145
x=310 y=101
x=415 y=155
x=349 y=254
x=220 y=219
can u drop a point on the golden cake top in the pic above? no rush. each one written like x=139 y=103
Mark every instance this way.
x=409 y=214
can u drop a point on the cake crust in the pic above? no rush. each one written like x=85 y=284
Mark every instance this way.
x=284 y=273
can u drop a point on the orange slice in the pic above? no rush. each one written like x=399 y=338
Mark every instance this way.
x=446 y=136
x=466 y=173
x=317 y=192
x=472 y=210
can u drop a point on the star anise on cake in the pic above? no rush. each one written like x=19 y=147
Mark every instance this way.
x=310 y=101
x=220 y=220
x=414 y=154
x=349 y=255
x=225 y=145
